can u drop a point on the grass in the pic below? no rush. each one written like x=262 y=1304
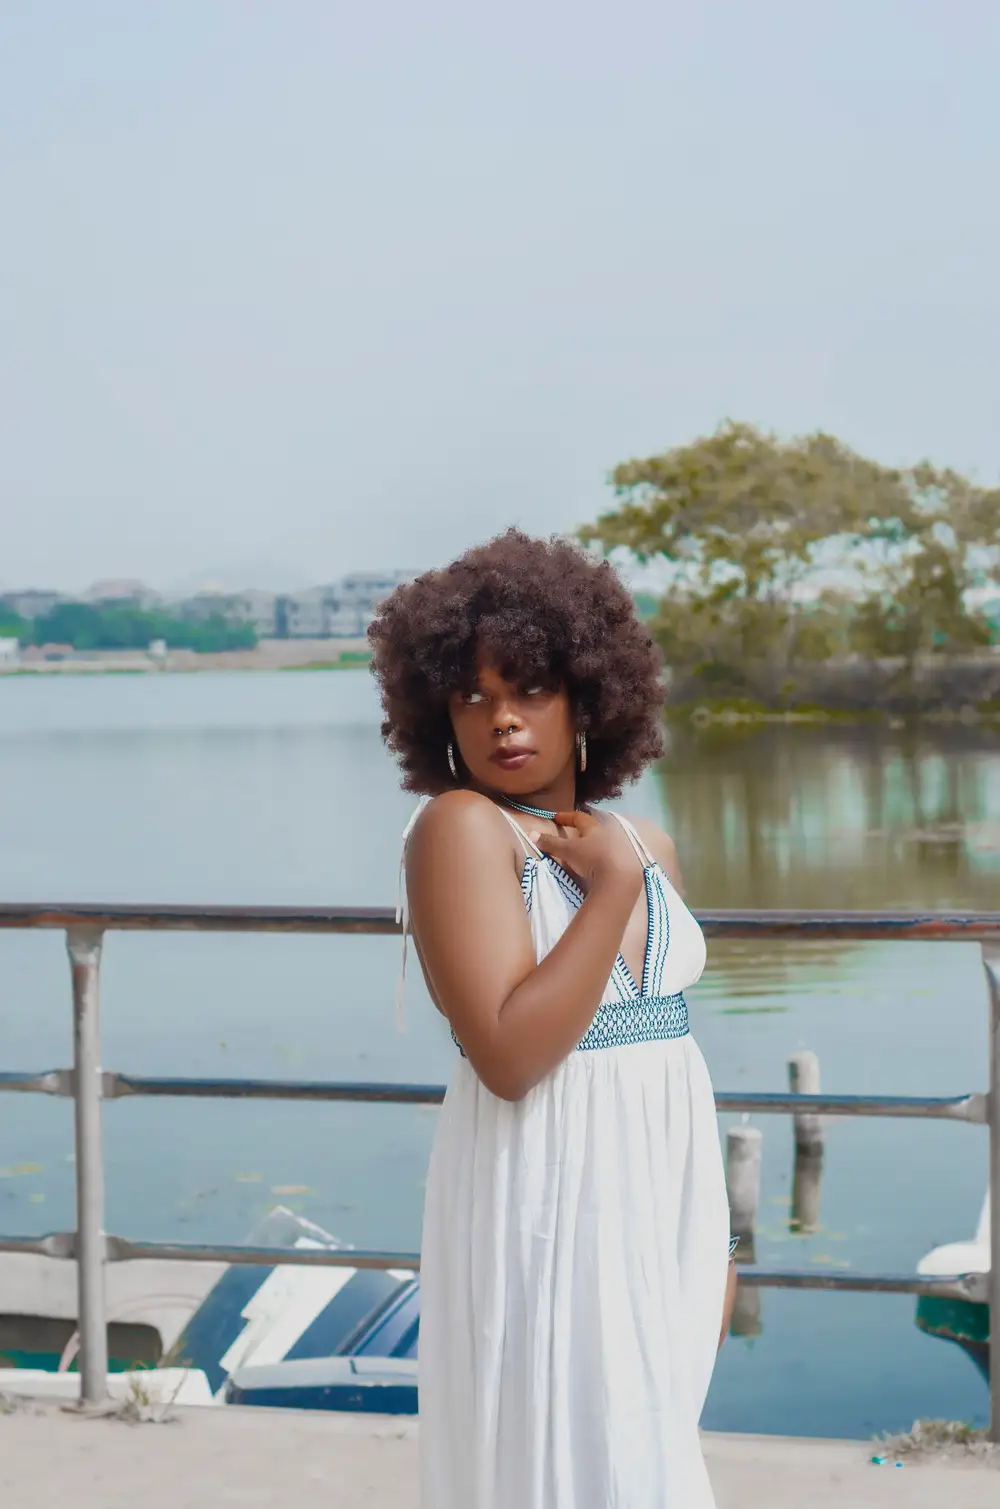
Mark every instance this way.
x=140 y=1407
x=343 y=664
x=940 y=1438
x=742 y=712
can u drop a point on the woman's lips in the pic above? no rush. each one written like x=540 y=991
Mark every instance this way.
x=511 y=759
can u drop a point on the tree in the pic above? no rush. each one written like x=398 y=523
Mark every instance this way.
x=12 y=625
x=86 y=627
x=789 y=551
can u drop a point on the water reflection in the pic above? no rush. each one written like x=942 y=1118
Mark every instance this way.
x=819 y=817
x=811 y=818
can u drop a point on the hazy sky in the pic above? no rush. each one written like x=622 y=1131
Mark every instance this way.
x=293 y=288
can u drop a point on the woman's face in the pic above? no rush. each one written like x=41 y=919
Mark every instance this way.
x=513 y=739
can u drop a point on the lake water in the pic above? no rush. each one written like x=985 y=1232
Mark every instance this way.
x=275 y=789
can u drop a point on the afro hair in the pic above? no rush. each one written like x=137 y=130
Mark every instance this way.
x=545 y=613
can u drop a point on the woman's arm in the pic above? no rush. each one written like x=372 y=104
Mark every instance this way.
x=516 y=1020
x=729 y=1302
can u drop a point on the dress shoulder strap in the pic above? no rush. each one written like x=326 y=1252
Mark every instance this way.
x=531 y=849
x=640 y=848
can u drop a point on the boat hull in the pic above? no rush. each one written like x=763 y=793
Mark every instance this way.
x=960 y=1321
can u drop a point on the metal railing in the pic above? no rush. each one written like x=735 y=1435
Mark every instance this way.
x=88 y=1085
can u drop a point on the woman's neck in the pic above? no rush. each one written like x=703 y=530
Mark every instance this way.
x=560 y=796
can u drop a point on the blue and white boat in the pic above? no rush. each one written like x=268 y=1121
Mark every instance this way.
x=285 y=1335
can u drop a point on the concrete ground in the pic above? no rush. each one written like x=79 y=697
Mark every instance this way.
x=263 y=1459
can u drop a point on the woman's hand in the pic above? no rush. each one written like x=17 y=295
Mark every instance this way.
x=730 y=1300
x=589 y=848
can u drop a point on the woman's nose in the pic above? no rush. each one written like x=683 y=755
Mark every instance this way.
x=505 y=721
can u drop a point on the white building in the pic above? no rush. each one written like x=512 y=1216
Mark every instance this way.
x=366 y=589
x=254 y=607
x=31 y=603
x=201 y=606
x=258 y=608
x=303 y=615
x=355 y=597
x=342 y=610
x=10 y=652
x=121 y=592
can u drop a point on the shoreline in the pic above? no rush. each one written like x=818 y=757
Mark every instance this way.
x=731 y=715
x=701 y=716
x=701 y=720
x=268 y=655
x=63 y=670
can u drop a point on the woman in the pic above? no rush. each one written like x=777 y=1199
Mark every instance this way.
x=574 y=1263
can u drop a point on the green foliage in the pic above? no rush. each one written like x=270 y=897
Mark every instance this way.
x=126 y=628
x=749 y=523
x=12 y=625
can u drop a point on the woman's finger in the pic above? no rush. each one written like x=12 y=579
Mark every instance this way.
x=582 y=822
x=561 y=849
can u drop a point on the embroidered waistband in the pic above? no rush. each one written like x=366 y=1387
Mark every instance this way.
x=647 y=1019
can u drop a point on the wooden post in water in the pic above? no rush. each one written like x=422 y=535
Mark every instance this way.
x=743 y=1158
x=747 y=1318
x=803 y=1079
x=807 y=1185
x=807 y=1176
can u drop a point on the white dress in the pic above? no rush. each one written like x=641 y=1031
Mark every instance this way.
x=575 y=1250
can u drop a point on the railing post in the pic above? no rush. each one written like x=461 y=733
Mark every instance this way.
x=84 y=946
x=991 y=963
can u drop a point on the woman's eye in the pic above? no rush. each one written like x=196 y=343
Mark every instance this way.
x=471 y=697
x=534 y=691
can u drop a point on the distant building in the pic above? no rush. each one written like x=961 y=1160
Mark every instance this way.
x=10 y=651
x=33 y=653
x=347 y=622
x=366 y=589
x=342 y=610
x=303 y=615
x=32 y=603
x=259 y=609
x=354 y=600
x=205 y=605
x=121 y=592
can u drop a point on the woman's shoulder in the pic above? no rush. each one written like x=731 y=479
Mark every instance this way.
x=458 y=816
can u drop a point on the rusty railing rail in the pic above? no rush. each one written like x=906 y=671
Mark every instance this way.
x=88 y=1085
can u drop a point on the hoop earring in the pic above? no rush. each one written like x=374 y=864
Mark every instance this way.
x=451 y=761
x=581 y=749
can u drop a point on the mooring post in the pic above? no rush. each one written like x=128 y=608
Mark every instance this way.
x=807 y=1189
x=803 y=1079
x=743 y=1160
x=84 y=946
x=748 y=1316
